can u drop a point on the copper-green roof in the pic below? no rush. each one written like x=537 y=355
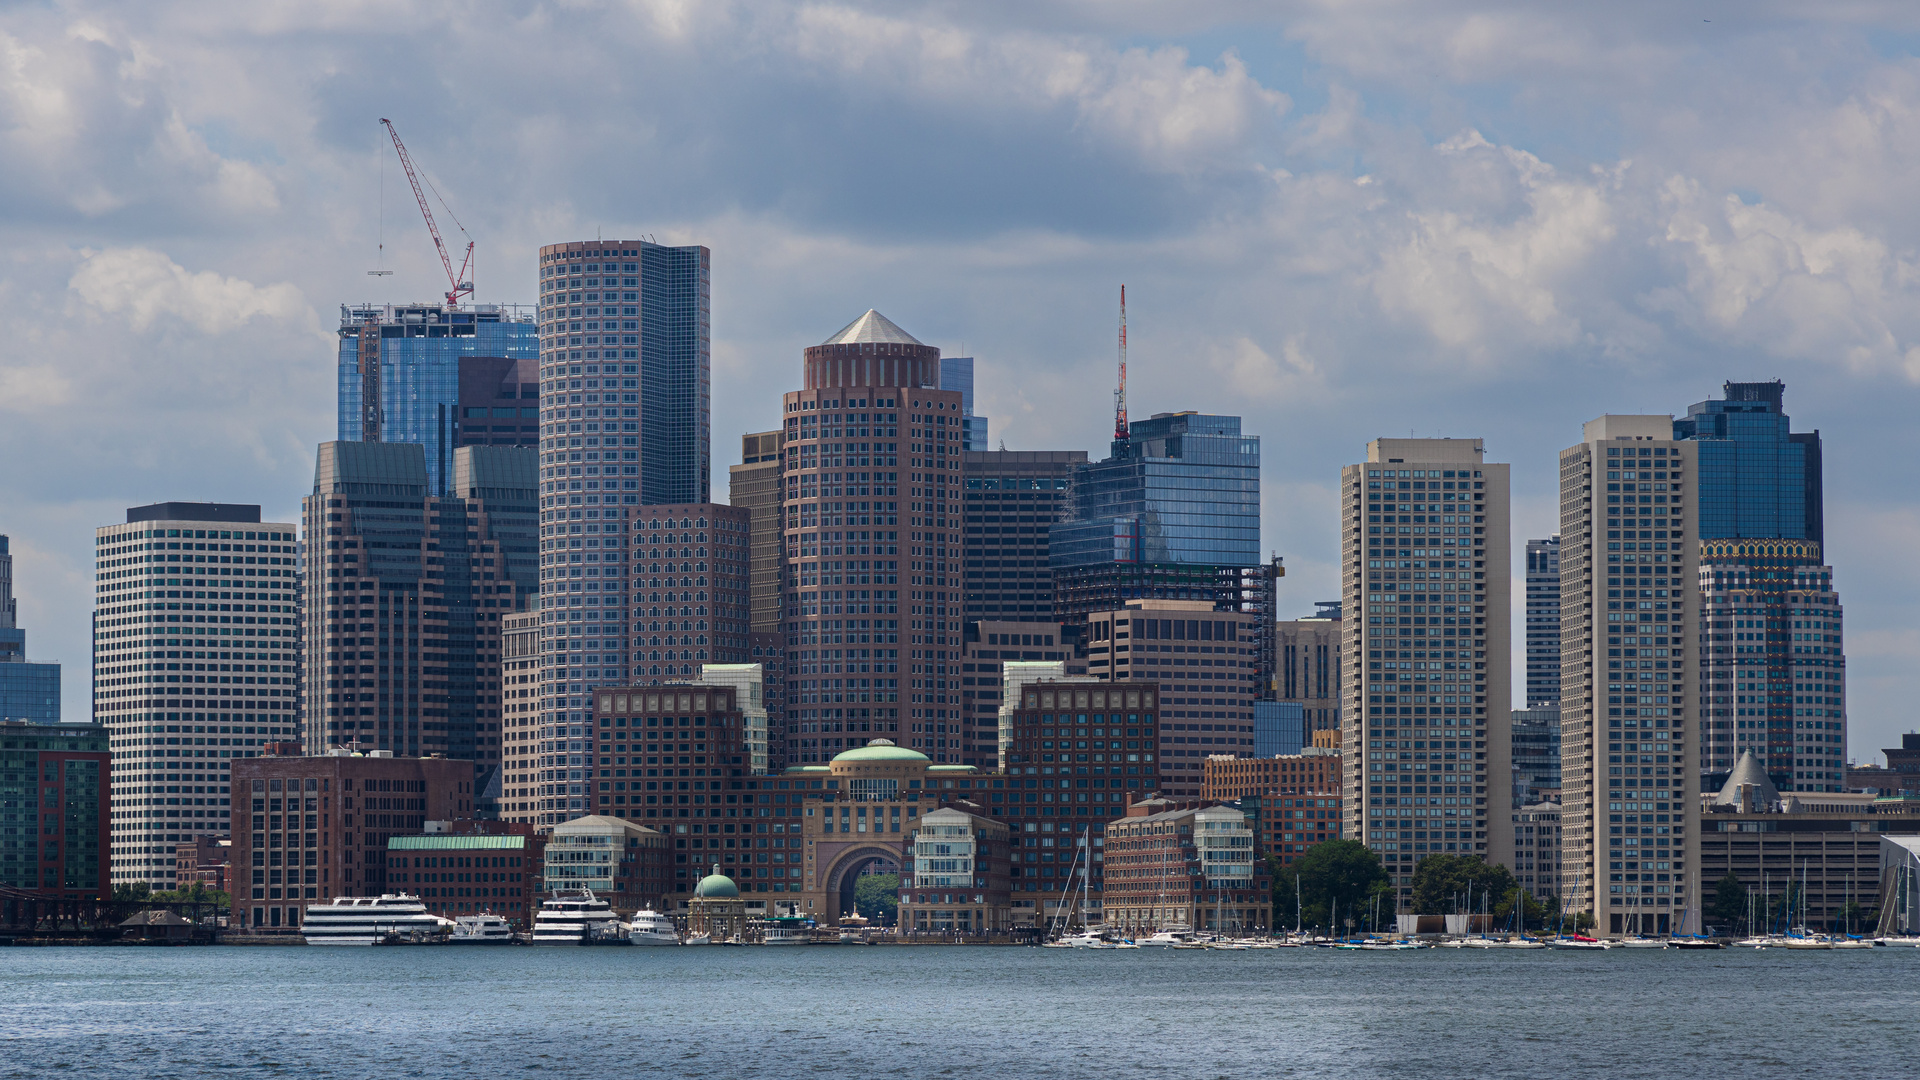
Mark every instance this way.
x=455 y=843
x=880 y=750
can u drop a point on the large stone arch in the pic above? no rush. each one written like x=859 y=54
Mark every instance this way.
x=837 y=883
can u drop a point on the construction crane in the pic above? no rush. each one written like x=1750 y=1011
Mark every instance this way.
x=462 y=284
x=1120 y=392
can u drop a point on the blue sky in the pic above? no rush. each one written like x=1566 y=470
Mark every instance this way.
x=1338 y=219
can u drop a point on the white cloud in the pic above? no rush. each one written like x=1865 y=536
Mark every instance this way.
x=145 y=284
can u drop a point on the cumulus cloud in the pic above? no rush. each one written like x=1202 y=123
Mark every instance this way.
x=144 y=285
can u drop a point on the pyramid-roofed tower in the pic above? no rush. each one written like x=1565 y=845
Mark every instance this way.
x=872 y=328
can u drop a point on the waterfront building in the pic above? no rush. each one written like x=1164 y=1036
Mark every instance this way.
x=196 y=663
x=1772 y=840
x=439 y=377
x=1535 y=741
x=1013 y=500
x=990 y=649
x=1307 y=666
x=309 y=829
x=1279 y=727
x=754 y=485
x=1543 y=623
x=1173 y=513
x=1205 y=661
x=624 y=862
x=28 y=692
x=56 y=809
x=471 y=866
x=398 y=574
x=1626 y=685
x=955 y=879
x=1773 y=664
x=1424 y=540
x=1536 y=848
x=1185 y=868
x=1078 y=752
x=716 y=910
x=1310 y=770
x=204 y=860
x=1291 y=824
x=873 y=542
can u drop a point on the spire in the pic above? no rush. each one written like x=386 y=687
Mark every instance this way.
x=1747 y=773
x=872 y=327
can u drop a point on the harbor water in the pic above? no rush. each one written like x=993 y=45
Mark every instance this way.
x=850 y=1011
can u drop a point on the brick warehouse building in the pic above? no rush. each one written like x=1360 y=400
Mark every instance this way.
x=470 y=867
x=307 y=829
x=55 y=808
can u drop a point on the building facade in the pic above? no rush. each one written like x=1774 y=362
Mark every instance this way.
x=196 y=664
x=1313 y=769
x=307 y=829
x=1536 y=848
x=956 y=374
x=622 y=862
x=472 y=867
x=1307 y=666
x=1425 y=539
x=29 y=692
x=439 y=377
x=754 y=485
x=1543 y=623
x=1013 y=500
x=873 y=541
x=1205 y=662
x=955 y=879
x=1535 y=738
x=1173 y=513
x=1279 y=727
x=1185 y=868
x=1629 y=596
x=1772 y=664
x=1758 y=478
x=56 y=809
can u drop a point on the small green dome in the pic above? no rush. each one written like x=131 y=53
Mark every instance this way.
x=716 y=885
x=880 y=750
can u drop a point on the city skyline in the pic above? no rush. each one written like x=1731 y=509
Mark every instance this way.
x=222 y=291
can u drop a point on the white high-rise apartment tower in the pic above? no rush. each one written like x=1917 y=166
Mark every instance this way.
x=1427 y=669
x=1630 y=621
x=195 y=663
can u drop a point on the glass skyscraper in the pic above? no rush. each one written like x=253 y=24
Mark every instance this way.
x=29 y=692
x=1758 y=480
x=1173 y=514
x=400 y=373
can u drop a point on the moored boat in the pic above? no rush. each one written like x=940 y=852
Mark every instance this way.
x=650 y=927
x=373 y=920
x=577 y=917
x=485 y=928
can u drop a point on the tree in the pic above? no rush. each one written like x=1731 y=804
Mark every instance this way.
x=136 y=891
x=1345 y=873
x=1539 y=911
x=1449 y=884
x=877 y=896
x=1730 y=902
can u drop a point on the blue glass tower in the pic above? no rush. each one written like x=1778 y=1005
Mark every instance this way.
x=400 y=368
x=1758 y=479
x=28 y=692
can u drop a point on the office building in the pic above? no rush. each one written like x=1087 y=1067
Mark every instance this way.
x=1625 y=676
x=1536 y=848
x=1307 y=771
x=683 y=569
x=620 y=861
x=1170 y=867
x=770 y=652
x=408 y=596
x=1279 y=727
x=754 y=485
x=636 y=314
x=1307 y=666
x=956 y=374
x=1204 y=662
x=57 y=841
x=1772 y=663
x=202 y=861
x=307 y=829
x=471 y=866
x=437 y=376
x=1543 y=623
x=1758 y=479
x=1014 y=497
x=29 y=692
x=955 y=879
x=873 y=541
x=1173 y=513
x=992 y=649
x=1535 y=739
x=1425 y=566
x=196 y=663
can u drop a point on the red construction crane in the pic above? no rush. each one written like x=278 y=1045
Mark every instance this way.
x=462 y=284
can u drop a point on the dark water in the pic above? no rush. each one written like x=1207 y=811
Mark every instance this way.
x=964 y=1012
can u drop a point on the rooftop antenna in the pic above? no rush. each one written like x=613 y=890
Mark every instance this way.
x=1120 y=393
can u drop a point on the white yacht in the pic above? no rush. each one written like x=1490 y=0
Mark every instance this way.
x=576 y=917
x=650 y=927
x=371 y=920
x=485 y=928
x=1168 y=938
x=788 y=930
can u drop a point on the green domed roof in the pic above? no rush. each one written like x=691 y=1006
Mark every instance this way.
x=716 y=885
x=880 y=750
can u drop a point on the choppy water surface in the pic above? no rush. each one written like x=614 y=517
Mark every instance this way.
x=940 y=1011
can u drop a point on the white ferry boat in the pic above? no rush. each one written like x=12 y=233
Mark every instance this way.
x=650 y=927
x=576 y=917
x=485 y=928
x=788 y=930
x=372 y=920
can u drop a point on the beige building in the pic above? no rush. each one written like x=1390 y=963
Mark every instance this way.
x=1307 y=666
x=755 y=485
x=1425 y=587
x=1629 y=740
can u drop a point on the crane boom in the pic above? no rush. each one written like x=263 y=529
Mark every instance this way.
x=1120 y=393
x=461 y=286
